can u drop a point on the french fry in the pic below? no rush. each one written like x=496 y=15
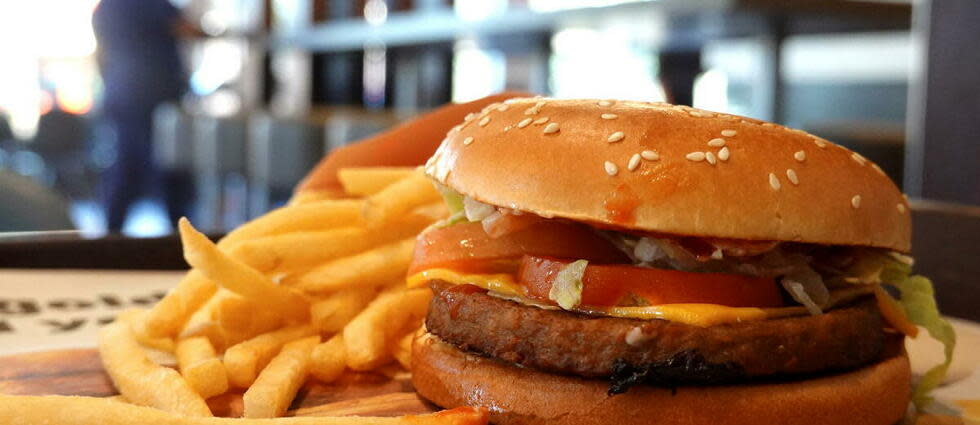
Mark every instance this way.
x=369 y=335
x=399 y=198
x=332 y=313
x=237 y=277
x=74 y=410
x=276 y=386
x=169 y=316
x=136 y=318
x=368 y=269
x=366 y=181
x=296 y=251
x=203 y=322
x=244 y=360
x=201 y=367
x=329 y=359
x=313 y=216
x=308 y=196
x=140 y=380
x=241 y=319
x=402 y=350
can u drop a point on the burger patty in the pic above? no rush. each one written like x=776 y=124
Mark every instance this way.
x=657 y=352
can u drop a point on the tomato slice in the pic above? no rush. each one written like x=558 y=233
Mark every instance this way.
x=466 y=247
x=607 y=285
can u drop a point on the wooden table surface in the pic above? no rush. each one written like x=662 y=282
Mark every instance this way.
x=79 y=372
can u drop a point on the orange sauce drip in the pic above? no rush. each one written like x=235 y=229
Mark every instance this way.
x=621 y=206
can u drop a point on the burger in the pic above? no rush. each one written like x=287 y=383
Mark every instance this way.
x=617 y=262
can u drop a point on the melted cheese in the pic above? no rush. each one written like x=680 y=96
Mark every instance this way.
x=692 y=314
x=502 y=283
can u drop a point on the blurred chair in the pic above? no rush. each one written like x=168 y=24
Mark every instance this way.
x=946 y=247
x=280 y=152
x=61 y=140
x=219 y=171
x=28 y=206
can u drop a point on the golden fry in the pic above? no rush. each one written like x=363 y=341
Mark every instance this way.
x=402 y=350
x=307 y=196
x=399 y=198
x=241 y=319
x=73 y=410
x=369 y=335
x=297 y=251
x=329 y=359
x=366 y=181
x=332 y=313
x=276 y=386
x=237 y=277
x=313 y=216
x=244 y=360
x=169 y=316
x=368 y=269
x=140 y=380
x=201 y=367
x=136 y=318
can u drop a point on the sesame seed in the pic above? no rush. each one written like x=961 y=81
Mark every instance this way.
x=877 y=168
x=534 y=109
x=858 y=158
x=541 y=120
x=467 y=141
x=551 y=128
x=729 y=133
x=723 y=154
x=604 y=103
x=791 y=175
x=695 y=156
x=774 y=181
x=469 y=117
x=503 y=108
x=524 y=123
x=616 y=137
x=800 y=156
x=768 y=124
x=650 y=155
x=508 y=128
x=695 y=114
x=634 y=162
x=711 y=158
x=716 y=143
x=905 y=197
x=820 y=143
x=609 y=116
x=455 y=130
x=901 y=208
x=484 y=121
x=856 y=201
x=611 y=168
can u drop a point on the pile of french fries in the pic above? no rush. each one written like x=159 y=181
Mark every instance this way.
x=306 y=291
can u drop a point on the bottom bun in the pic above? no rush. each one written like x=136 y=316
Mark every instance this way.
x=874 y=395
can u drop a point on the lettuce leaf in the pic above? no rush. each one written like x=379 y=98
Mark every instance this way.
x=454 y=200
x=567 y=287
x=918 y=300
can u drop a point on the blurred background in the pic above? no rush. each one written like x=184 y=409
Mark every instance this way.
x=238 y=99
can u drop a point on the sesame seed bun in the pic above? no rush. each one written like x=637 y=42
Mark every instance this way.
x=671 y=169
x=874 y=395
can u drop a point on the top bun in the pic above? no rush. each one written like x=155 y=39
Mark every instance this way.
x=673 y=169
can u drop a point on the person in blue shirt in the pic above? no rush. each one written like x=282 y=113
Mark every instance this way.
x=141 y=68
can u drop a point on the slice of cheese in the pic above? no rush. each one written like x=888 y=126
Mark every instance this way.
x=505 y=286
